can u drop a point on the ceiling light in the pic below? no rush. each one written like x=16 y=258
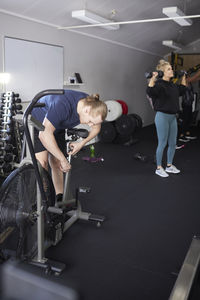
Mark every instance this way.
x=171 y=44
x=89 y=17
x=174 y=12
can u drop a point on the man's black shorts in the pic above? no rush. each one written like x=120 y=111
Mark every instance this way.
x=60 y=139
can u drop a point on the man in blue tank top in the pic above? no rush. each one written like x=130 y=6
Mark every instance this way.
x=59 y=113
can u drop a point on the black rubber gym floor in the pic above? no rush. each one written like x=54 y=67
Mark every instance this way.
x=150 y=222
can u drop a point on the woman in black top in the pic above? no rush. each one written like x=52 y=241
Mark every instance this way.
x=165 y=99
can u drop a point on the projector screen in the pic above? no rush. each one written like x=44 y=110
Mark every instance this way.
x=33 y=67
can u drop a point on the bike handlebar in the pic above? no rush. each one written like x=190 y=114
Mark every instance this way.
x=37 y=98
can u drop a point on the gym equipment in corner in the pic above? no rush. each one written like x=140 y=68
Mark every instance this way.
x=10 y=135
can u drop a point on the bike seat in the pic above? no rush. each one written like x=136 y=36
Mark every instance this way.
x=78 y=132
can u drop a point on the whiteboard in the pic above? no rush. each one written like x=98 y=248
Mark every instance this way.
x=32 y=66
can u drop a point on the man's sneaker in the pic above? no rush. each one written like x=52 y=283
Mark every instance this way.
x=161 y=172
x=189 y=137
x=183 y=139
x=179 y=146
x=172 y=169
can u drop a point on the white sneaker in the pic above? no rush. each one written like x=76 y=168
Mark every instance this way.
x=172 y=169
x=183 y=139
x=190 y=137
x=179 y=146
x=161 y=172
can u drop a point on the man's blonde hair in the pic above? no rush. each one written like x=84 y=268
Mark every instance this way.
x=98 y=107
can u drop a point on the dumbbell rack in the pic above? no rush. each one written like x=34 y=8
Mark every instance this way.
x=10 y=136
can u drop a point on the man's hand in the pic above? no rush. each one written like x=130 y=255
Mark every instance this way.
x=75 y=147
x=65 y=166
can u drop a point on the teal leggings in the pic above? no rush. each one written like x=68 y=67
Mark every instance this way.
x=166 y=127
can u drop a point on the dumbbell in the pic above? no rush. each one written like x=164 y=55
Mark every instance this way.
x=150 y=74
x=11 y=106
x=5 y=111
x=19 y=112
x=5 y=98
x=5 y=121
x=2 y=122
x=139 y=156
x=7 y=130
x=8 y=157
x=6 y=101
x=7 y=148
x=18 y=100
x=7 y=138
x=5 y=106
x=6 y=168
x=17 y=107
x=180 y=73
x=3 y=114
x=10 y=94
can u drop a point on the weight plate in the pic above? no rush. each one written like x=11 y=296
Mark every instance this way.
x=107 y=133
x=124 y=107
x=124 y=125
x=138 y=120
x=114 y=110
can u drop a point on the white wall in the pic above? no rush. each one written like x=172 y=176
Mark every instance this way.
x=113 y=71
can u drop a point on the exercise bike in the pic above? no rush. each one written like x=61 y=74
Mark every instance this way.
x=30 y=218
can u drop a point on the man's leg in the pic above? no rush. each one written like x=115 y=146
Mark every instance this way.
x=56 y=174
x=42 y=157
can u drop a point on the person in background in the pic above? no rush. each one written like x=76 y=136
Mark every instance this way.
x=187 y=115
x=194 y=78
x=59 y=113
x=165 y=98
x=190 y=80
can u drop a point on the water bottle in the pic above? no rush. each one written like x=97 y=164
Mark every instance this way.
x=92 y=151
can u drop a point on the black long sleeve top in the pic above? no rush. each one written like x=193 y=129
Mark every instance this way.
x=165 y=96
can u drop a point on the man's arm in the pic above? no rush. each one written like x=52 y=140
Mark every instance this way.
x=95 y=129
x=48 y=140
